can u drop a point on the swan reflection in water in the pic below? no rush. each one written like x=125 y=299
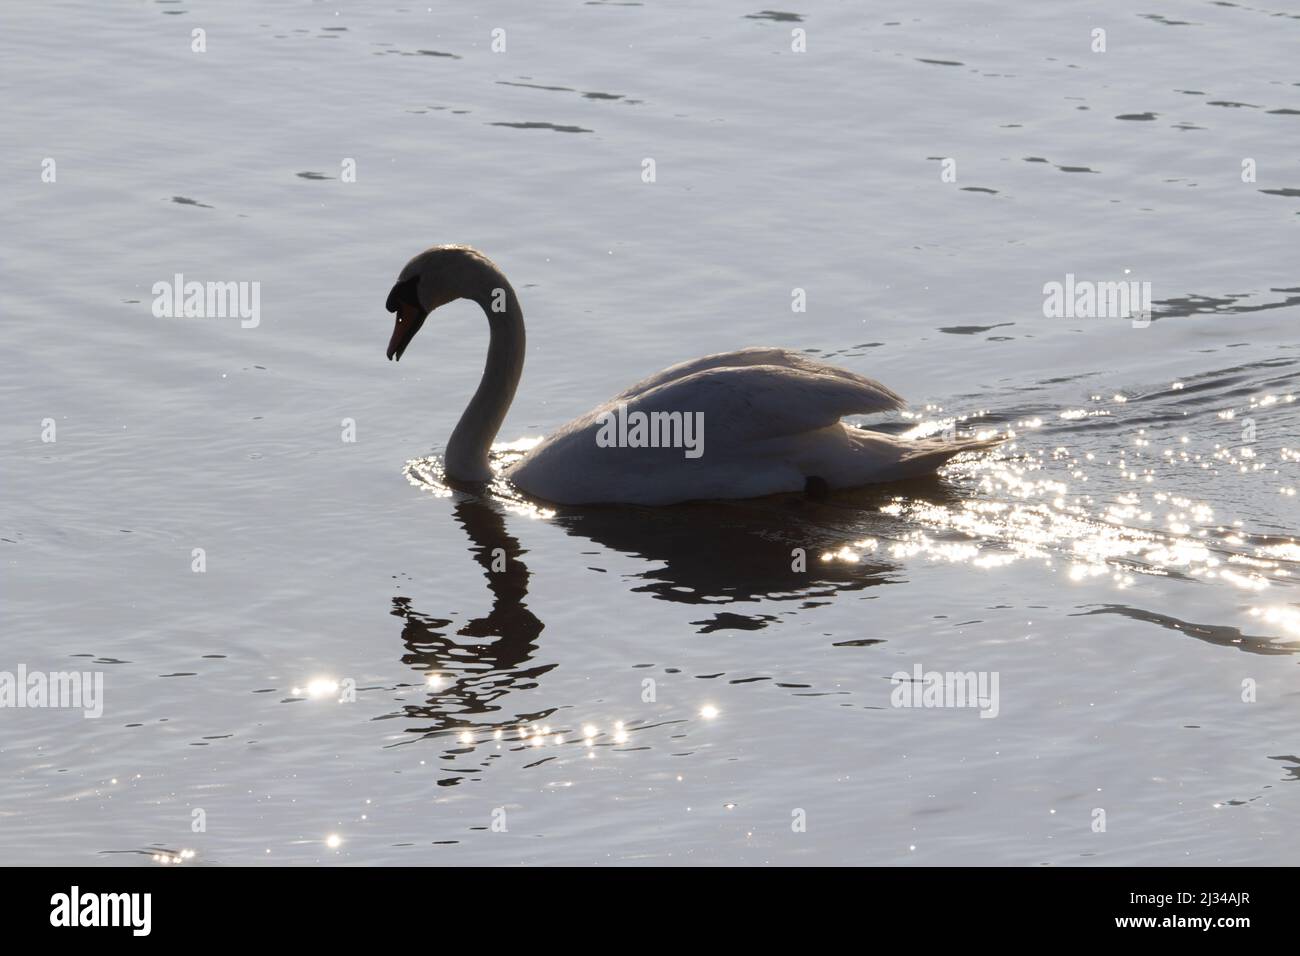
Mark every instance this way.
x=725 y=556
x=721 y=556
x=465 y=673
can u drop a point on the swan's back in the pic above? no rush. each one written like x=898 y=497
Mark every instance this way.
x=885 y=399
x=769 y=419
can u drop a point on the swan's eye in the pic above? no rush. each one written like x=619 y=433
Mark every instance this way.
x=403 y=293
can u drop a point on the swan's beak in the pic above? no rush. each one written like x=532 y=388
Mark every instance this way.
x=407 y=324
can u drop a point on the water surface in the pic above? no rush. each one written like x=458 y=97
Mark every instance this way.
x=666 y=687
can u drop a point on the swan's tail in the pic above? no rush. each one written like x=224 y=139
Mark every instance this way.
x=880 y=457
x=924 y=456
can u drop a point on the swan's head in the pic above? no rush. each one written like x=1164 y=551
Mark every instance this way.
x=433 y=278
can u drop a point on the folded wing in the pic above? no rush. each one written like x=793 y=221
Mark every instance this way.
x=750 y=402
x=781 y=358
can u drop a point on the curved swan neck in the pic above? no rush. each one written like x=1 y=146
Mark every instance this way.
x=470 y=442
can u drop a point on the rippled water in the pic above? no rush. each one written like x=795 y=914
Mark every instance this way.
x=628 y=685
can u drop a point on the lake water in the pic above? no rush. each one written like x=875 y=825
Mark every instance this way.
x=668 y=688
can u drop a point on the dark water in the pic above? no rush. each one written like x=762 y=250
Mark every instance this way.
x=666 y=685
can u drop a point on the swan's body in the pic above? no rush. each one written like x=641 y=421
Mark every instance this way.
x=770 y=417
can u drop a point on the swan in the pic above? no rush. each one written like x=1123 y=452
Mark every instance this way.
x=744 y=424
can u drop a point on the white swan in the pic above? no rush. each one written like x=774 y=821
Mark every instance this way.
x=770 y=417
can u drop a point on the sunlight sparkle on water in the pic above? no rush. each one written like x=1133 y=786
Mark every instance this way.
x=167 y=859
x=1022 y=514
x=318 y=687
x=1287 y=618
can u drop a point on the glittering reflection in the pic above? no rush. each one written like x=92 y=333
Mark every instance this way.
x=161 y=855
x=1172 y=496
x=428 y=474
x=319 y=688
x=171 y=858
x=1285 y=618
x=1020 y=510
